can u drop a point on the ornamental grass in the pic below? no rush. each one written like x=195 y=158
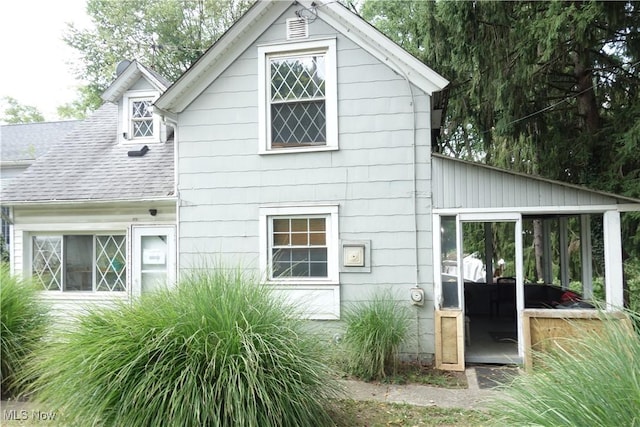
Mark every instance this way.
x=23 y=320
x=218 y=350
x=593 y=381
x=375 y=330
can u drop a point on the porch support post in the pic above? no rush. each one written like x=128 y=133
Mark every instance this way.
x=563 y=225
x=519 y=284
x=585 y=256
x=613 y=260
x=488 y=252
x=546 y=251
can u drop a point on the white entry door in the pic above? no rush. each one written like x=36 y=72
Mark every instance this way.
x=154 y=258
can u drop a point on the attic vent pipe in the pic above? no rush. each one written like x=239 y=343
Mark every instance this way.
x=138 y=153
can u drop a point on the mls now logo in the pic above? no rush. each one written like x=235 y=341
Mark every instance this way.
x=23 y=415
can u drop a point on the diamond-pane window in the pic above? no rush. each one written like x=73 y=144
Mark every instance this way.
x=46 y=264
x=141 y=118
x=299 y=247
x=111 y=264
x=80 y=262
x=297 y=99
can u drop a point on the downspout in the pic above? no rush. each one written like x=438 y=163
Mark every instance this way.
x=415 y=200
x=173 y=122
x=416 y=242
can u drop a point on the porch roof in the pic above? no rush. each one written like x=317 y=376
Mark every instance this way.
x=460 y=184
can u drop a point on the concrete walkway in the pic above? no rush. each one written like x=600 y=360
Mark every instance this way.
x=472 y=397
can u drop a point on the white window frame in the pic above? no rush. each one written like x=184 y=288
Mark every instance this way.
x=127 y=119
x=326 y=46
x=330 y=212
x=94 y=279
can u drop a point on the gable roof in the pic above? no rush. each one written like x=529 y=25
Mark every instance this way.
x=260 y=16
x=90 y=165
x=25 y=142
x=129 y=76
x=461 y=184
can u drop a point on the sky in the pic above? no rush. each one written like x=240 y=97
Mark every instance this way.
x=35 y=61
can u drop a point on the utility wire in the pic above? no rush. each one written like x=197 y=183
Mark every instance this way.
x=549 y=107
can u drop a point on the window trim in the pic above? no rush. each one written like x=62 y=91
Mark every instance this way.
x=330 y=212
x=128 y=98
x=328 y=46
x=94 y=279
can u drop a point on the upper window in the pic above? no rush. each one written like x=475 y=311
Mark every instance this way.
x=141 y=118
x=301 y=244
x=138 y=121
x=79 y=262
x=298 y=106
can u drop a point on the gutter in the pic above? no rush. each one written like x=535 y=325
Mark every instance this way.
x=171 y=199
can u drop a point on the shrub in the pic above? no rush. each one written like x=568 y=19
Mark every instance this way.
x=218 y=350
x=632 y=276
x=596 y=381
x=375 y=331
x=23 y=324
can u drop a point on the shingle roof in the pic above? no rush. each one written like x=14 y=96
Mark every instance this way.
x=90 y=165
x=28 y=141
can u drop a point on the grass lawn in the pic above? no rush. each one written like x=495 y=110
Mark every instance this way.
x=350 y=413
x=412 y=373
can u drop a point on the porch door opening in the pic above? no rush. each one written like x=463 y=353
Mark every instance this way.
x=488 y=270
x=154 y=260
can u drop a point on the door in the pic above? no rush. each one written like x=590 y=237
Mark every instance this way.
x=453 y=325
x=154 y=258
x=449 y=305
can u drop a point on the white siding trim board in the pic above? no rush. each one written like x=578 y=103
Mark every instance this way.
x=528 y=210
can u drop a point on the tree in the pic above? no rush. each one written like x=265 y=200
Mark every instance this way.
x=14 y=112
x=87 y=101
x=541 y=87
x=166 y=35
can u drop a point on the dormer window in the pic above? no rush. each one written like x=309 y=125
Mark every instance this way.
x=141 y=118
x=138 y=121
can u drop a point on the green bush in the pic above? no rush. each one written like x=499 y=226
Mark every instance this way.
x=632 y=276
x=594 y=382
x=374 y=332
x=23 y=324
x=219 y=350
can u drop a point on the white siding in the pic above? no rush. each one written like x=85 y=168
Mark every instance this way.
x=223 y=180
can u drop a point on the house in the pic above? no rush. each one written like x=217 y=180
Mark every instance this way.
x=20 y=145
x=302 y=145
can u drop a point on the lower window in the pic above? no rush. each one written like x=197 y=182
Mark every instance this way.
x=80 y=262
x=301 y=244
x=299 y=247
